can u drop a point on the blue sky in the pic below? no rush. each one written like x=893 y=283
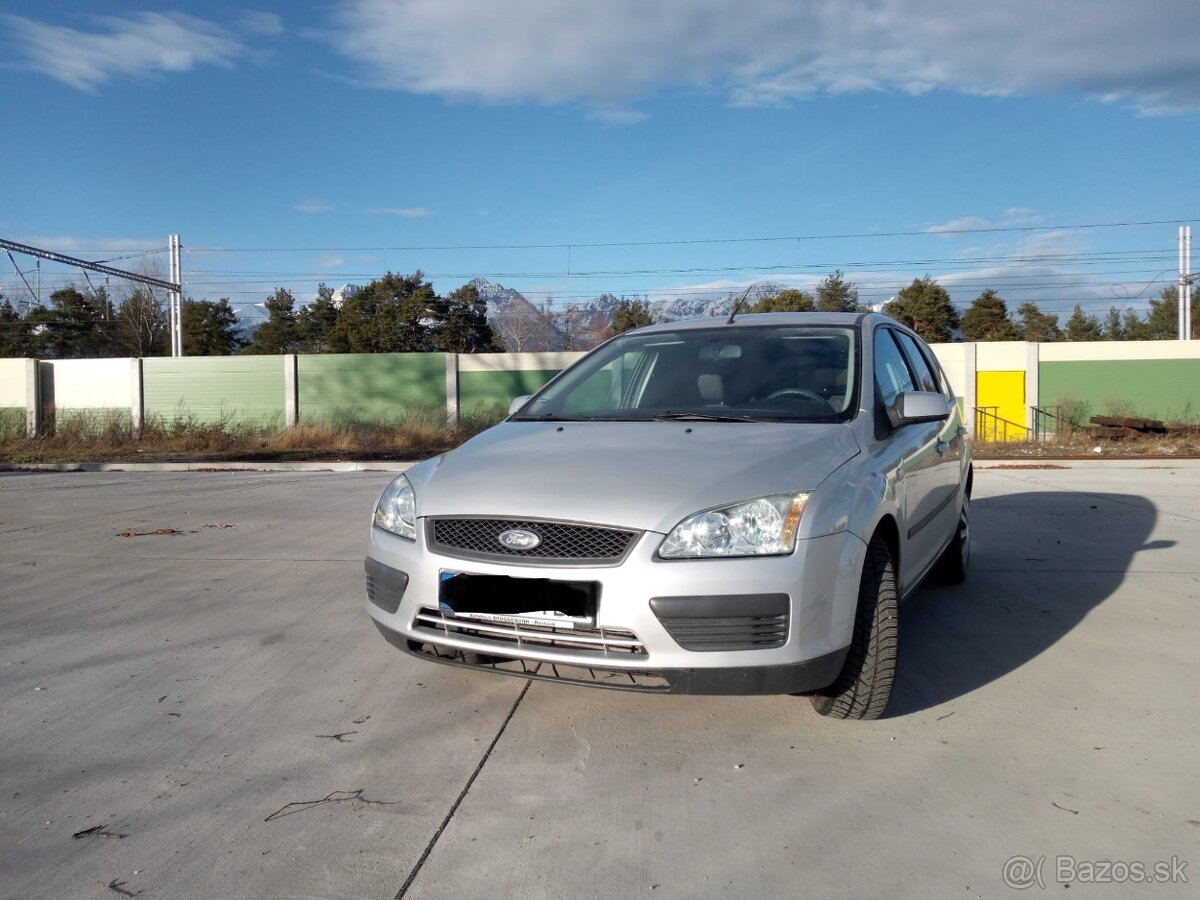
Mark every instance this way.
x=717 y=143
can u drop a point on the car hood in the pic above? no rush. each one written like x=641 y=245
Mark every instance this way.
x=643 y=475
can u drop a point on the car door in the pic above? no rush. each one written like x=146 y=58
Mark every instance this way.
x=950 y=446
x=913 y=453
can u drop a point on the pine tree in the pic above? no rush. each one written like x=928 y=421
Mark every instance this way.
x=1133 y=328
x=987 y=320
x=463 y=326
x=278 y=333
x=1082 y=327
x=836 y=294
x=924 y=306
x=630 y=314
x=15 y=338
x=391 y=314
x=1036 y=325
x=316 y=322
x=787 y=300
x=1113 y=329
x=209 y=329
x=75 y=326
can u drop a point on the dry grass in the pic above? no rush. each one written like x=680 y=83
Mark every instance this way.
x=108 y=437
x=1081 y=444
x=419 y=433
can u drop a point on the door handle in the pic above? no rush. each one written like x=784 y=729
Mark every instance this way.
x=942 y=445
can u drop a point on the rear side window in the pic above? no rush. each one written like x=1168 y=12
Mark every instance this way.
x=892 y=374
x=925 y=378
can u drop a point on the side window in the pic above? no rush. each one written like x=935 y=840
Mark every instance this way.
x=925 y=377
x=891 y=371
x=612 y=387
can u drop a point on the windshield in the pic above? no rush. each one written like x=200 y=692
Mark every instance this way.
x=803 y=373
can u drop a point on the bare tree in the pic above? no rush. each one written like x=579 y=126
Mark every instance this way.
x=140 y=326
x=572 y=325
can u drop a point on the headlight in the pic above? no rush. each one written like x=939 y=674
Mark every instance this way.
x=396 y=510
x=765 y=526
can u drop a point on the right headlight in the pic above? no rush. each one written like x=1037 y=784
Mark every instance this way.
x=764 y=526
x=396 y=510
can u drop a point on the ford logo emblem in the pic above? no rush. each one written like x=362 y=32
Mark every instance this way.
x=518 y=539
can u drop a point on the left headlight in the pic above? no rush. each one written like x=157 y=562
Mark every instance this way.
x=764 y=526
x=396 y=510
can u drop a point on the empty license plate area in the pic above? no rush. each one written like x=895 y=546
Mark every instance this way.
x=502 y=598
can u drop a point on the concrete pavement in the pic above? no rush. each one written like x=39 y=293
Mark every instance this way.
x=181 y=689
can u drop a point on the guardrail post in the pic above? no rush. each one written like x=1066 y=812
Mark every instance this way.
x=451 y=389
x=33 y=398
x=1032 y=398
x=137 y=407
x=970 y=375
x=291 y=397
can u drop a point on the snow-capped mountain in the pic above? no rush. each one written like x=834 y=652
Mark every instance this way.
x=344 y=293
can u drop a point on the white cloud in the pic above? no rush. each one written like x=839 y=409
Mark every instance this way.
x=773 y=52
x=313 y=206
x=957 y=226
x=616 y=115
x=72 y=244
x=330 y=262
x=1015 y=217
x=409 y=212
x=265 y=23
x=142 y=45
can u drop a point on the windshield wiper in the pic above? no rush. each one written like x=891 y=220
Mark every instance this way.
x=668 y=416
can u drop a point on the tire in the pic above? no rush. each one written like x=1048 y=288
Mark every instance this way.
x=865 y=683
x=952 y=566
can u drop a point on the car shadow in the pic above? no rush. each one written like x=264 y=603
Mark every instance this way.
x=1041 y=561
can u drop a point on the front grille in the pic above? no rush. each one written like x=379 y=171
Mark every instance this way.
x=513 y=636
x=623 y=679
x=563 y=543
x=728 y=633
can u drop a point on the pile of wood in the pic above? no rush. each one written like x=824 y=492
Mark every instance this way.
x=1119 y=428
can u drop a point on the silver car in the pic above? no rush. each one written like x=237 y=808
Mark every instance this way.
x=722 y=506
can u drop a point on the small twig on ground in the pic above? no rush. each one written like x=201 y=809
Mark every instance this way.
x=351 y=797
x=97 y=831
x=946 y=716
x=328 y=798
x=340 y=737
x=117 y=886
x=222 y=525
x=361 y=721
x=133 y=532
x=1073 y=812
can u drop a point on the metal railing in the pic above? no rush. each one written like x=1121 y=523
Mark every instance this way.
x=990 y=426
x=1047 y=422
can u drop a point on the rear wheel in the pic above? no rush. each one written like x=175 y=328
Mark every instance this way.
x=952 y=566
x=865 y=683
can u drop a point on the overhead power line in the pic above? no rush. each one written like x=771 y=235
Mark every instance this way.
x=935 y=231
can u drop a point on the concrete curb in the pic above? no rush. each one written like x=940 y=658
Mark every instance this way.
x=381 y=466
x=1010 y=463
x=1034 y=462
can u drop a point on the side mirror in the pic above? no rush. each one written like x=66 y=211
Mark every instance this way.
x=919 y=406
x=518 y=402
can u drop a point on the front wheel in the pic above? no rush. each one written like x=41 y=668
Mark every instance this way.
x=865 y=683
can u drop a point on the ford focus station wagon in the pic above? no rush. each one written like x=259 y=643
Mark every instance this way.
x=722 y=506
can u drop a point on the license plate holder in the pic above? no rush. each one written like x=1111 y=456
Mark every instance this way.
x=529 y=601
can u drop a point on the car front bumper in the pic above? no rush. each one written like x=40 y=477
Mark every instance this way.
x=767 y=625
